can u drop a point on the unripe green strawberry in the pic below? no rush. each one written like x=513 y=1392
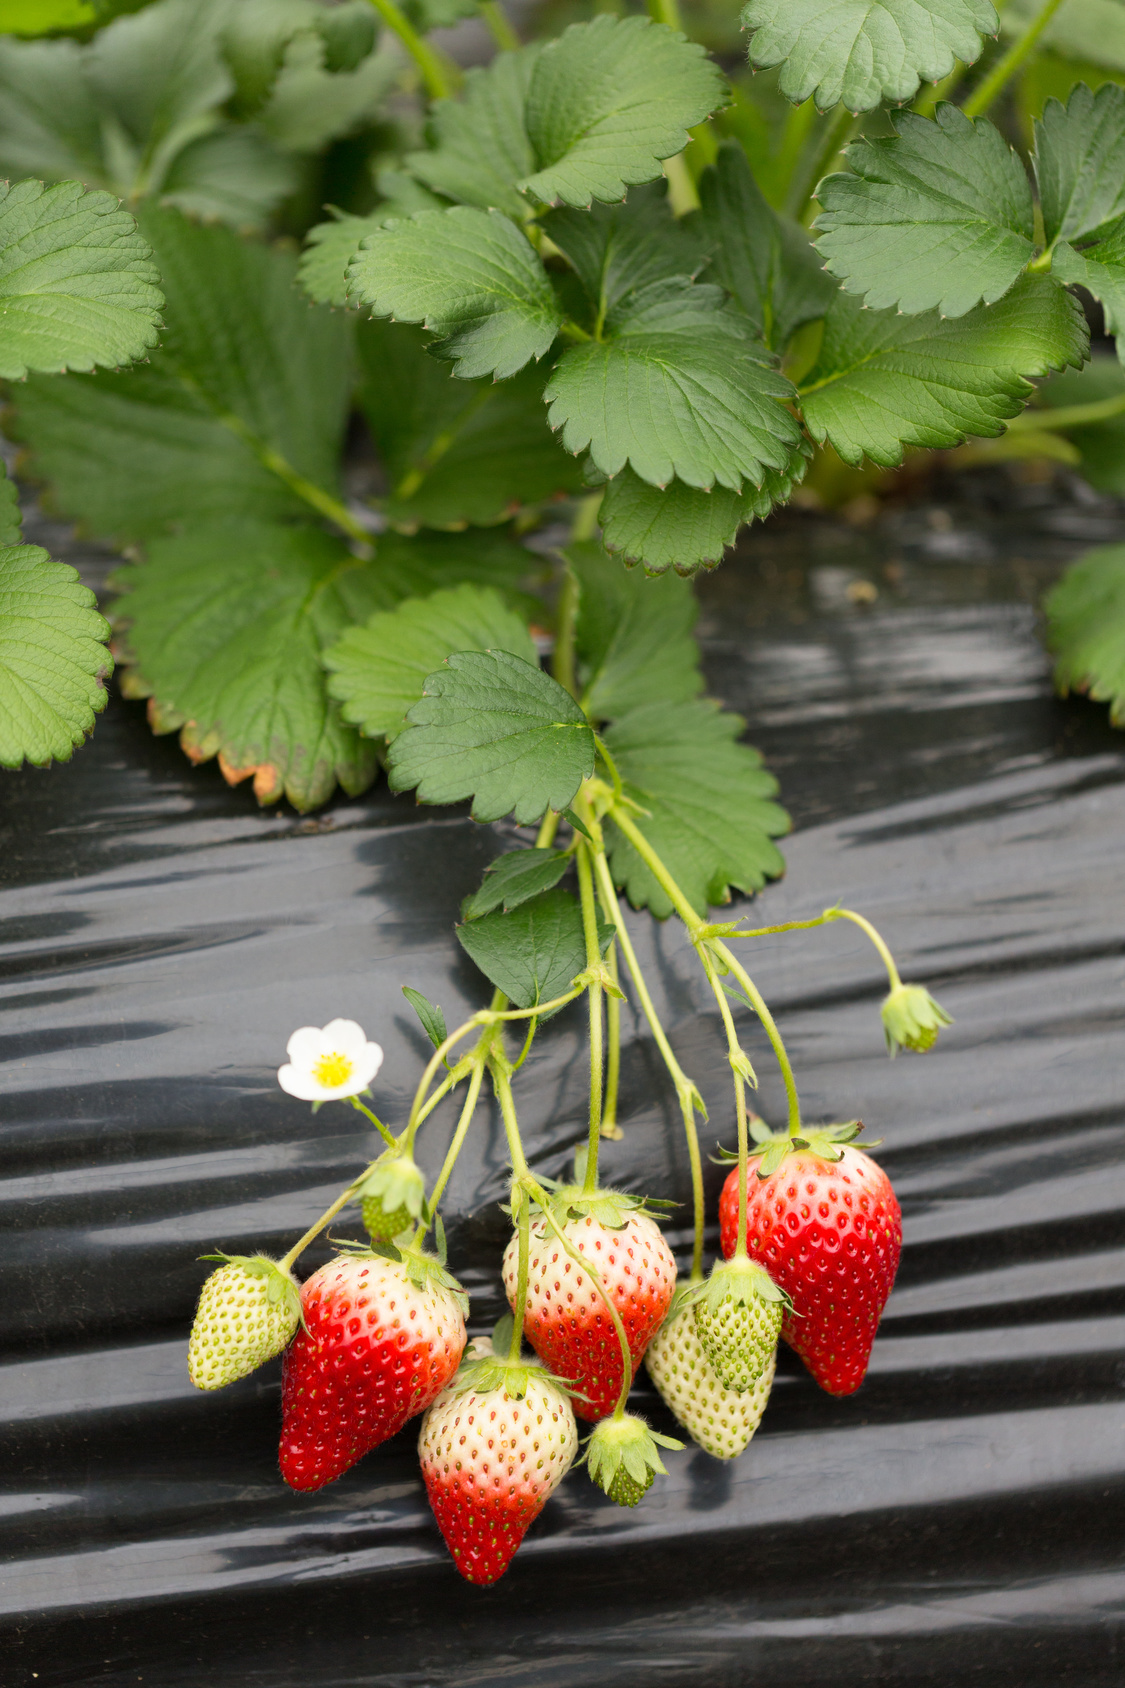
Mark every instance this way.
x=738 y=1320
x=622 y=1458
x=392 y=1197
x=248 y=1311
x=719 y=1419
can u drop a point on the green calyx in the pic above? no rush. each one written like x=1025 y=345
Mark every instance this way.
x=392 y=1197
x=424 y=1270
x=282 y=1290
x=826 y=1142
x=611 y=1208
x=740 y=1281
x=912 y=1019
x=622 y=1457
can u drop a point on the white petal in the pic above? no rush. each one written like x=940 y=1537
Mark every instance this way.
x=368 y=1064
x=344 y=1035
x=295 y=1081
x=305 y=1046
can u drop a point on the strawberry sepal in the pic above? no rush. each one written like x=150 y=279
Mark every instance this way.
x=622 y=1457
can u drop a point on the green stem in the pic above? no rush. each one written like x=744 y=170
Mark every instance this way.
x=832 y=142
x=439 y=77
x=1001 y=74
x=502 y=1085
x=610 y=1127
x=759 y=1005
x=458 y=1138
x=594 y=991
x=683 y=195
x=588 y=1267
x=1067 y=415
x=656 y=867
x=520 y=1310
x=685 y=1090
x=866 y=926
x=739 y=1096
x=387 y=1136
x=326 y=1218
x=666 y=11
x=548 y=826
x=499 y=28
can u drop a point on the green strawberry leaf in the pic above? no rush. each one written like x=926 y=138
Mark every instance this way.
x=633 y=637
x=480 y=147
x=378 y=671
x=431 y=1016
x=1080 y=162
x=1086 y=628
x=710 y=818
x=765 y=260
x=224 y=630
x=492 y=727
x=455 y=451
x=533 y=953
x=514 y=878
x=607 y=102
x=883 y=381
x=10 y=519
x=616 y=249
x=851 y=52
x=77 y=281
x=53 y=658
x=331 y=246
x=248 y=392
x=680 y=387
x=470 y=277
x=685 y=527
x=310 y=105
x=936 y=216
x=1100 y=269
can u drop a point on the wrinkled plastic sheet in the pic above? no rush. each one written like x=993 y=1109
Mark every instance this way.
x=958 y=1521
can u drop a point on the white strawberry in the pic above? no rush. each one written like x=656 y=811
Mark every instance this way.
x=721 y=1420
x=248 y=1311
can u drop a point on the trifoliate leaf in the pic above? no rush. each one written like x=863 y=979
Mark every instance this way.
x=1080 y=161
x=77 y=281
x=533 y=953
x=883 y=382
x=248 y=378
x=1100 y=268
x=937 y=216
x=682 y=527
x=1101 y=444
x=765 y=260
x=377 y=671
x=455 y=451
x=633 y=636
x=852 y=52
x=331 y=246
x=608 y=101
x=53 y=658
x=10 y=519
x=492 y=727
x=1086 y=628
x=617 y=249
x=679 y=388
x=710 y=817
x=224 y=630
x=480 y=146
x=431 y=1016
x=470 y=277
x=514 y=878
x=309 y=106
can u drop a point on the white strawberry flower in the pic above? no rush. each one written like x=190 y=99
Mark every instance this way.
x=330 y=1062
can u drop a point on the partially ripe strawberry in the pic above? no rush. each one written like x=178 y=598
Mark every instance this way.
x=720 y=1420
x=566 y=1320
x=494 y=1447
x=247 y=1313
x=382 y=1339
x=829 y=1232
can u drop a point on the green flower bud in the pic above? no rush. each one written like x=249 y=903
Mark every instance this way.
x=912 y=1019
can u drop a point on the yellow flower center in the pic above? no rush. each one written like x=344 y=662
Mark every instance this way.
x=333 y=1069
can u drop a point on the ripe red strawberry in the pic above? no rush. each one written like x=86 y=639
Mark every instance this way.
x=827 y=1227
x=567 y=1322
x=382 y=1339
x=494 y=1447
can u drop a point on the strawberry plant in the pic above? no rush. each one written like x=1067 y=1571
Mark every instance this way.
x=384 y=377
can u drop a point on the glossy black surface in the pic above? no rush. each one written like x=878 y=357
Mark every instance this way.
x=959 y=1521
